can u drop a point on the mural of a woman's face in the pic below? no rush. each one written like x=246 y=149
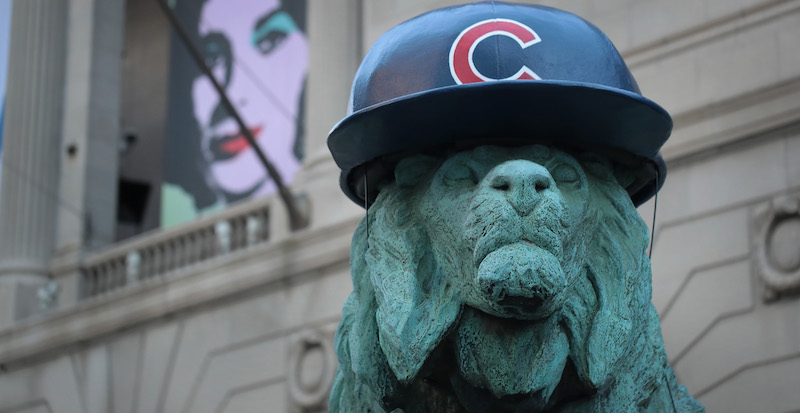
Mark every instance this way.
x=260 y=56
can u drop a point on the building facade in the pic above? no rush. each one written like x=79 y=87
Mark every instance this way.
x=235 y=312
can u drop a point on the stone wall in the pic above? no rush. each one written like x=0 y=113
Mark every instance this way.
x=252 y=330
x=732 y=338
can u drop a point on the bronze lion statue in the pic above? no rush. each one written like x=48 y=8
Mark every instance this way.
x=503 y=279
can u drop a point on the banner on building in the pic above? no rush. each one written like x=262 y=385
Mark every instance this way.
x=5 y=30
x=258 y=50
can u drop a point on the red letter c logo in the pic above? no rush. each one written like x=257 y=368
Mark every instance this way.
x=461 y=65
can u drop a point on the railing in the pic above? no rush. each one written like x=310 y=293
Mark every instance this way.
x=158 y=253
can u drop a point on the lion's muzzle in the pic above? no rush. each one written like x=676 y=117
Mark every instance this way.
x=518 y=256
x=520 y=281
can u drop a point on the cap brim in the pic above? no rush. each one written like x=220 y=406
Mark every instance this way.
x=567 y=114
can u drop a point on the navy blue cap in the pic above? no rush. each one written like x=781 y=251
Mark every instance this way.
x=493 y=73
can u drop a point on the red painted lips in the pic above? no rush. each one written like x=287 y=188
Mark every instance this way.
x=226 y=147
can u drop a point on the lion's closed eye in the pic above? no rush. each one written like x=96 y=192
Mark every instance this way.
x=459 y=174
x=565 y=173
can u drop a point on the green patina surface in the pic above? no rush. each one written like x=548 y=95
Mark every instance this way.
x=503 y=280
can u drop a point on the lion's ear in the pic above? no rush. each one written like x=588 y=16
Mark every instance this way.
x=606 y=330
x=360 y=355
x=610 y=332
x=416 y=305
x=604 y=349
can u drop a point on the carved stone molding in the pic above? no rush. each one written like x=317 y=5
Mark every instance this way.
x=777 y=246
x=312 y=368
x=267 y=265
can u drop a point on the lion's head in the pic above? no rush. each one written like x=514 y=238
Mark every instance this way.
x=501 y=279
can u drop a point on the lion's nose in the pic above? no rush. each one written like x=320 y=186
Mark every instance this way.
x=523 y=183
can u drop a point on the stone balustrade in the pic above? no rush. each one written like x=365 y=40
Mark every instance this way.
x=162 y=252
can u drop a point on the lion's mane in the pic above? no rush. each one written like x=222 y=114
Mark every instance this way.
x=404 y=306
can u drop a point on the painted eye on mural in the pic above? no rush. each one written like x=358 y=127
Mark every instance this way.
x=217 y=50
x=271 y=30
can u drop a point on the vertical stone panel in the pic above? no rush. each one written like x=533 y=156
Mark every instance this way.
x=158 y=357
x=126 y=366
x=97 y=383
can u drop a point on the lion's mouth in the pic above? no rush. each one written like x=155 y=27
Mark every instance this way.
x=523 y=307
x=488 y=247
x=542 y=239
x=519 y=280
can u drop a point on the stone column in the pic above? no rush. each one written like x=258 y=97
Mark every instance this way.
x=30 y=161
x=334 y=40
x=332 y=24
x=91 y=138
x=91 y=127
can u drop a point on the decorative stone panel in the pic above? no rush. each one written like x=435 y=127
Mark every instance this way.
x=312 y=368
x=777 y=246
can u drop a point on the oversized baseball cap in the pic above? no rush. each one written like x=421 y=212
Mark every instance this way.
x=493 y=73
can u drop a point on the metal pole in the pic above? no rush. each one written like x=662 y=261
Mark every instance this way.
x=296 y=219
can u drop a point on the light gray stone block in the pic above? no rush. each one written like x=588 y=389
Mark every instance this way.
x=228 y=370
x=724 y=61
x=125 y=371
x=723 y=8
x=53 y=384
x=96 y=384
x=709 y=296
x=735 y=177
x=668 y=81
x=689 y=246
x=654 y=20
x=319 y=300
x=209 y=334
x=788 y=50
x=159 y=346
x=792 y=154
x=615 y=22
x=200 y=336
x=771 y=387
x=754 y=338
x=270 y=398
